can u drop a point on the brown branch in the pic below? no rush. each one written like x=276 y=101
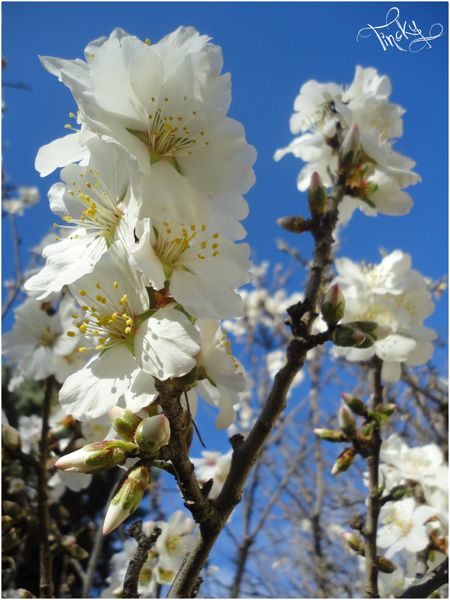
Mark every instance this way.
x=429 y=583
x=247 y=452
x=145 y=542
x=45 y=558
x=373 y=500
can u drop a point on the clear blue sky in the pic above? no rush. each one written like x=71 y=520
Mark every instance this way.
x=270 y=49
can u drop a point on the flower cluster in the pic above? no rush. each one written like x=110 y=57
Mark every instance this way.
x=396 y=297
x=414 y=515
x=350 y=130
x=163 y=561
x=149 y=203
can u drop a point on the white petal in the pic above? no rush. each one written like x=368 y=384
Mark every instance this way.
x=60 y=153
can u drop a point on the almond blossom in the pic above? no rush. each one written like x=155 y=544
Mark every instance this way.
x=98 y=206
x=215 y=466
x=197 y=267
x=166 y=105
x=125 y=338
x=393 y=295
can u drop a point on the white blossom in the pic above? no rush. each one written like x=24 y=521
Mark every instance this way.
x=215 y=466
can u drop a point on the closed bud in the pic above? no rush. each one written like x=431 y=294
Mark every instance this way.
x=124 y=422
x=23 y=593
x=355 y=404
x=153 y=433
x=127 y=499
x=368 y=428
x=333 y=305
x=330 y=435
x=348 y=337
x=294 y=224
x=350 y=150
x=14 y=510
x=11 y=539
x=10 y=437
x=69 y=543
x=344 y=461
x=98 y=456
x=347 y=422
x=353 y=542
x=386 y=408
x=398 y=492
x=317 y=196
x=385 y=565
x=7 y=523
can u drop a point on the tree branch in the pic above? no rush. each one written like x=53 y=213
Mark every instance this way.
x=246 y=453
x=45 y=558
x=429 y=583
x=145 y=542
x=373 y=500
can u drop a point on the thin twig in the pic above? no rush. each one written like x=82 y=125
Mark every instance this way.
x=45 y=558
x=373 y=500
x=145 y=542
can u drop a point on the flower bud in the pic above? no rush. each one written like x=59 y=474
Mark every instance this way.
x=127 y=499
x=385 y=565
x=347 y=336
x=23 y=593
x=98 y=456
x=124 y=422
x=398 y=492
x=317 y=196
x=368 y=428
x=355 y=404
x=387 y=408
x=11 y=539
x=11 y=437
x=7 y=523
x=153 y=433
x=333 y=305
x=347 y=422
x=353 y=541
x=13 y=509
x=350 y=150
x=344 y=461
x=69 y=543
x=330 y=435
x=294 y=224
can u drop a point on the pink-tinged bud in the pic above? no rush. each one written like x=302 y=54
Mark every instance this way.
x=294 y=224
x=127 y=499
x=382 y=412
x=69 y=543
x=317 y=196
x=356 y=405
x=347 y=422
x=330 y=435
x=344 y=461
x=385 y=565
x=350 y=150
x=98 y=456
x=348 y=337
x=353 y=542
x=124 y=422
x=153 y=433
x=333 y=305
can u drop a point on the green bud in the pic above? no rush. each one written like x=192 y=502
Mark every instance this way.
x=98 y=456
x=353 y=542
x=293 y=224
x=344 y=461
x=398 y=492
x=23 y=593
x=385 y=565
x=124 y=422
x=13 y=509
x=348 y=337
x=317 y=196
x=378 y=332
x=333 y=305
x=127 y=499
x=11 y=539
x=347 y=422
x=368 y=428
x=330 y=435
x=7 y=523
x=153 y=433
x=355 y=404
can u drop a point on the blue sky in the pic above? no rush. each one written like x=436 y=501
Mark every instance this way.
x=271 y=49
